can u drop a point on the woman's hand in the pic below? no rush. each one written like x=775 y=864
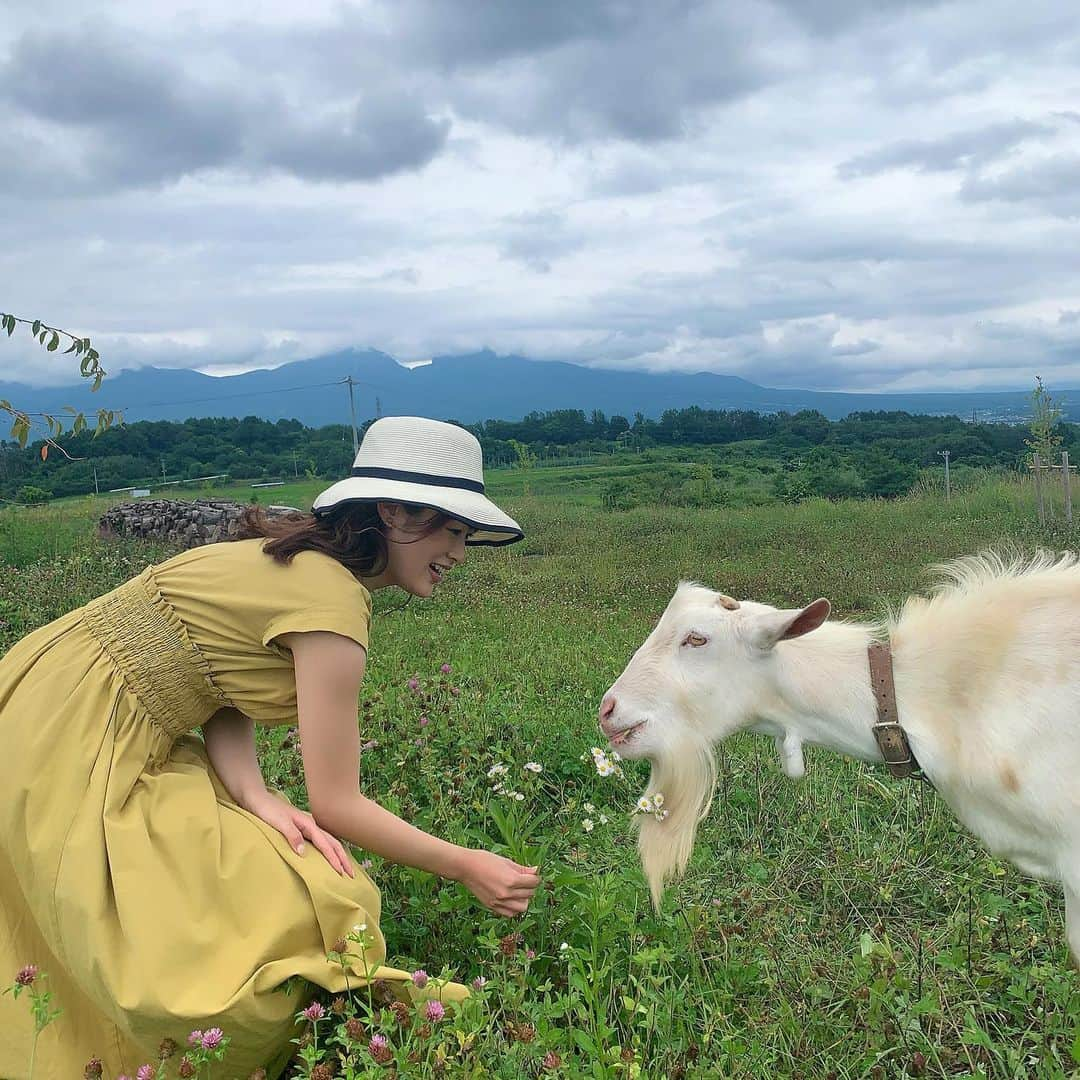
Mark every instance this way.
x=500 y=884
x=297 y=826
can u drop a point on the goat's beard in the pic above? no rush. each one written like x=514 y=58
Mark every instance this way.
x=685 y=773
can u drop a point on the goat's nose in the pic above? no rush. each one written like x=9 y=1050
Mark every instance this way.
x=607 y=707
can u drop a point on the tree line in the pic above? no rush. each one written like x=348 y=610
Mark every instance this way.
x=826 y=457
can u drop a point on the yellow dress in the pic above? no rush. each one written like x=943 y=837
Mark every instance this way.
x=152 y=901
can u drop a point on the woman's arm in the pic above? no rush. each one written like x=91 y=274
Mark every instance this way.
x=329 y=670
x=230 y=745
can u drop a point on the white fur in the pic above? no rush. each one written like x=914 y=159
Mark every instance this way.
x=987 y=674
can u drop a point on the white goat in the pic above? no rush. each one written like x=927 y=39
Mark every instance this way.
x=987 y=676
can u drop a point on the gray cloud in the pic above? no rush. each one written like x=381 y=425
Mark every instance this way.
x=537 y=238
x=143 y=121
x=381 y=135
x=459 y=33
x=960 y=150
x=833 y=16
x=1052 y=185
x=640 y=72
x=130 y=116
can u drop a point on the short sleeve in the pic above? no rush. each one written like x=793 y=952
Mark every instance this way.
x=317 y=593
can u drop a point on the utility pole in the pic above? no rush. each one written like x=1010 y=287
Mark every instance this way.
x=96 y=492
x=948 y=491
x=163 y=470
x=348 y=380
x=295 y=467
x=1066 y=485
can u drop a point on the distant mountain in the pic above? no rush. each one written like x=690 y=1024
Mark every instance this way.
x=479 y=386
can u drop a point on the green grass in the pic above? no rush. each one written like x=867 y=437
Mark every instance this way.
x=845 y=926
x=739 y=469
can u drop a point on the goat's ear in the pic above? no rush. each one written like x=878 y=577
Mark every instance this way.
x=764 y=630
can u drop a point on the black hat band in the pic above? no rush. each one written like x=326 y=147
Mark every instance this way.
x=430 y=479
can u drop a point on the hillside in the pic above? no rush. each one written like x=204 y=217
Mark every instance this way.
x=470 y=388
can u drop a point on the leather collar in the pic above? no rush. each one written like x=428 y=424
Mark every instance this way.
x=891 y=738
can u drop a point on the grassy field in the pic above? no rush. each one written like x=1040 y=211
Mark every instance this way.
x=841 y=927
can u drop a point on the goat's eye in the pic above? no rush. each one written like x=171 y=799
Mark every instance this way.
x=695 y=640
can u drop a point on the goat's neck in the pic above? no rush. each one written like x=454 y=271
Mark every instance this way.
x=822 y=695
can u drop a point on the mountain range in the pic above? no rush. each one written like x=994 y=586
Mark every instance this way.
x=469 y=388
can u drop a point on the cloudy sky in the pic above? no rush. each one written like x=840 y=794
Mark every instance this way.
x=829 y=194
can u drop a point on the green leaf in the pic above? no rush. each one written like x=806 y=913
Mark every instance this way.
x=54 y=342
x=37 y=326
x=584 y=1040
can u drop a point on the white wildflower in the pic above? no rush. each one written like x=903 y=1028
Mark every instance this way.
x=589 y=808
x=604 y=764
x=587 y=825
x=652 y=804
x=534 y=766
x=603 y=819
x=497 y=770
x=518 y=796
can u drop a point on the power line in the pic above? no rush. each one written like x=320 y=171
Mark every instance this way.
x=229 y=397
x=223 y=397
x=251 y=393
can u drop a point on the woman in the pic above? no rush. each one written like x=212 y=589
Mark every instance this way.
x=151 y=874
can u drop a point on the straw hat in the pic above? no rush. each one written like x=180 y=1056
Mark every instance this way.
x=410 y=459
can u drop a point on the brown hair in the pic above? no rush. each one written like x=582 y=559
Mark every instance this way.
x=351 y=533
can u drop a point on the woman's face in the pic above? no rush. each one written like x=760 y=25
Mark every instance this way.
x=418 y=560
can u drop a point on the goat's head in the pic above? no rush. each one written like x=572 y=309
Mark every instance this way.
x=702 y=674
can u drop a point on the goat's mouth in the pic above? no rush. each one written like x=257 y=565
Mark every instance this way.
x=621 y=738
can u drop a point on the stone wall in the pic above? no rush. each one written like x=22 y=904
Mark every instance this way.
x=176 y=521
